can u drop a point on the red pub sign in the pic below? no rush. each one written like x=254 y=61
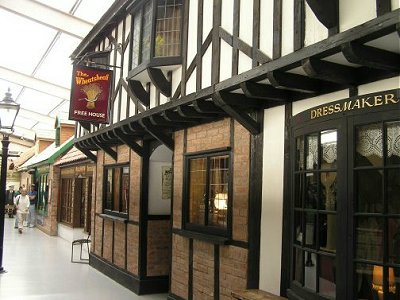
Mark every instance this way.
x=90 y=94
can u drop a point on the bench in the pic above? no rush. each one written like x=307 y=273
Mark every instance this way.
x=254 y=294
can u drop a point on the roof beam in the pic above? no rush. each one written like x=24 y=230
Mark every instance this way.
x=34 y=83
x=371 y=57
x=48 y=16
x=36 y=116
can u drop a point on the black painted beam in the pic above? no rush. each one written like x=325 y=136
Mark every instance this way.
x=127 y=140
x=329 y=71
x=191 y=112
x=157 y=134
x=175 y=117
x=209 y=107
x=160 y=121
x=85 y=125
x=371 y=57
x=105 y=147
x=327 y=12
x=158 y=78
x=242 y=101
x=263 y=91
x=87 y=152
x=139 y=92
x=221 y=99
x=300 y=83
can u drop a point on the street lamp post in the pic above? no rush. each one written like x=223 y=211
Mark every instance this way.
x=8 y=113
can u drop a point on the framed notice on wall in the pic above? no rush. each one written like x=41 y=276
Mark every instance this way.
x=166 y=173
x=90 y=94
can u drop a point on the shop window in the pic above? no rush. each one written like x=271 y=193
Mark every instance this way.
x=42 y=194
x=161 y=40
x=66 y=210
x=116 y=190
x=208 y=192
x=357 y=181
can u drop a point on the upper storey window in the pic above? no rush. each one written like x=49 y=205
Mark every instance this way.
x=156 y=30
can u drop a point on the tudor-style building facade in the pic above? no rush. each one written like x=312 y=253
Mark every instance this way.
x=236 y=150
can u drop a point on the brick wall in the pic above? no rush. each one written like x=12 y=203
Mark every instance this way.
x=108 y=240
x=180 y=266
x=119 y=244
x=158 y=247
x=233 y=270
x=132 y=244
x=178 y=180
x=203 y=270
x=233 y=260
x=98 y=235
x=134 y=188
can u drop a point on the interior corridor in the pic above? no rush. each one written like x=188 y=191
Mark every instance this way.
x=38 y=267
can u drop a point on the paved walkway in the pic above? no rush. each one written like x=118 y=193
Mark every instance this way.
x=38 y=267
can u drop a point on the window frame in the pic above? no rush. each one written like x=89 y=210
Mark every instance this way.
x=109 y=211
x=207 y=229
x=346 y=215
x=137 y=11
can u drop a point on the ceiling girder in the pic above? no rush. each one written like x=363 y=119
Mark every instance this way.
x=48 y=16
x=34 y=83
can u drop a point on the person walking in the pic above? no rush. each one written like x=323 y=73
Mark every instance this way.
x=17 y=193
x=32 y=207
x=22 y=202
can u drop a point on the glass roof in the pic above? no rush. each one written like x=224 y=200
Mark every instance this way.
x=34 y=59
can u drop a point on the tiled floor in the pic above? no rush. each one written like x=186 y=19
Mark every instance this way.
x=38 y=267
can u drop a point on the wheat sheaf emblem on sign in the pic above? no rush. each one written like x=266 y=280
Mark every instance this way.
x=92 y=92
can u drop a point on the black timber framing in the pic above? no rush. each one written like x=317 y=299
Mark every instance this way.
x=87 y=152
x=327 y=12
x=128 y=141
x=139 y=92
x=102 y=145
x=371 y=57
x=157 y=133
x=222 y=100
x=277 y=29
x=299 y=25
x=199 y=54
x=285 y=84
x=216 y=42
x=383 y=7
x=254 y=208
x=160 y=81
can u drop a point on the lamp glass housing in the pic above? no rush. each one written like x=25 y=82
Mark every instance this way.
x=8 y=112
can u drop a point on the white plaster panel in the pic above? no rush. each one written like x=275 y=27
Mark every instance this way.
x=381 y=85
x=124 y=100
x=244 y=63
x=206 y=68
x=176 y=79
x=163 y=99
x=395 y=4
x=192 y=32
x=191 y=83
x=125 y=68
x=267 y=27
x=355 y=12
x=132 y=107
x=246 y=22
x=161 y=157
x=227 y=15
x=226 y=61
x=302 y=105
x=115 y=110
x=272 y=200
x=315 y=31
x=287 y=26
x=207 y=17
x=152 y=96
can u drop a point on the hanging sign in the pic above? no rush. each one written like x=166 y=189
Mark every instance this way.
x=90 y=94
